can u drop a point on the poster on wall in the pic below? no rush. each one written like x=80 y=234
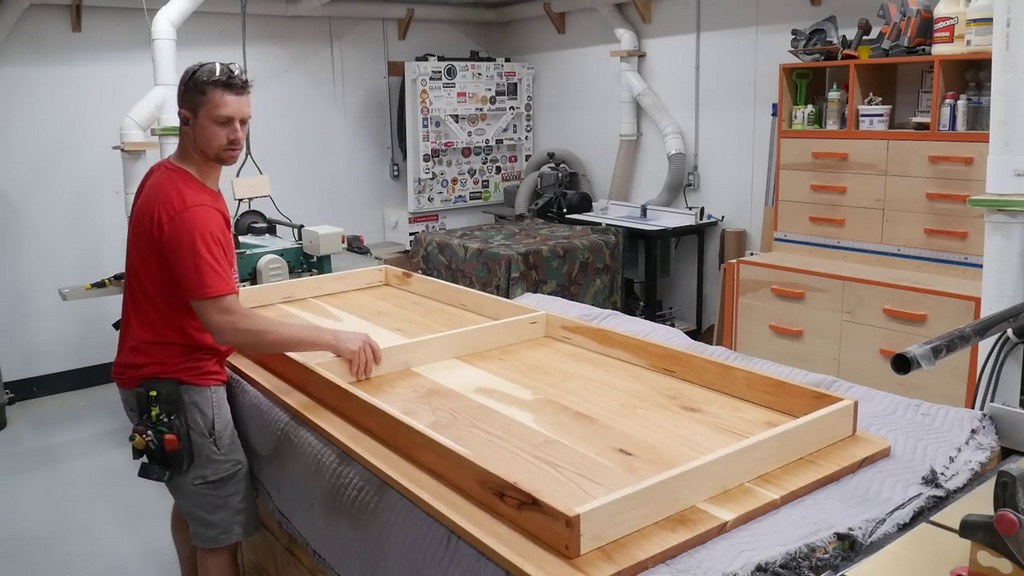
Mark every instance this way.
x=470 y=131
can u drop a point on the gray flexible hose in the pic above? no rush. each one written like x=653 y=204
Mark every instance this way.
x=623 y=170
x=675 y=180
x=524 y=197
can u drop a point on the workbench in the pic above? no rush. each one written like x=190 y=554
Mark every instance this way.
x=336 y=503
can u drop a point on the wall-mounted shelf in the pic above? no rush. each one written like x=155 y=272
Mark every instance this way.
x=896 y=80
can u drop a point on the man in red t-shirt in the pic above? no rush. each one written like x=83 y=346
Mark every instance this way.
x=181 y=317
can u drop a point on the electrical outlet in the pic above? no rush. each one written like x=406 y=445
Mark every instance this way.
x=693 y=180
x=394 y=170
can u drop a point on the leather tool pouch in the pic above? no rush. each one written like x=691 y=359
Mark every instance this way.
x=163 y=426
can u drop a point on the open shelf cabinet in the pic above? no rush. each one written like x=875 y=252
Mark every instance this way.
x=896 y=80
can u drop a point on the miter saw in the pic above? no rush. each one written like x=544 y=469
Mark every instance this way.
x=1001 y=532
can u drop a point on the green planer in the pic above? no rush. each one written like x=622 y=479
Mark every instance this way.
x=264 y=256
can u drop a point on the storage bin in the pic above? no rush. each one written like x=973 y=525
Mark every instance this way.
x=874 y=117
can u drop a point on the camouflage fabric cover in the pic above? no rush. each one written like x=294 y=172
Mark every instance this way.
x=509 y=259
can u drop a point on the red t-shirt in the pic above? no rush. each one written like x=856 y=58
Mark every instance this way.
x=180 y=248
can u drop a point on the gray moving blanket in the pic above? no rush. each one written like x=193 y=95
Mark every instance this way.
x=355 y=524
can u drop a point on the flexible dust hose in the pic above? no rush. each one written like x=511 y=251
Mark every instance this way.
x=524 y=197
x=926 y=354
x=675 y=181
x=623 y=173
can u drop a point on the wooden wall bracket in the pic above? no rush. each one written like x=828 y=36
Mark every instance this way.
x=404 y=23
x=557 y=18
x=645 y=9
x=627 y=53
x=815 y=2
x=76 y=15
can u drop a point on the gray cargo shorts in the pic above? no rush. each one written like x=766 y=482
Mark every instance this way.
x=215 y=495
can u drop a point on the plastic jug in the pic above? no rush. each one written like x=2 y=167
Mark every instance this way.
x=980 y=16
x=949 y=27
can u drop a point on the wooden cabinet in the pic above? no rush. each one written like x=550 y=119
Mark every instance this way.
x=875 y=248
x=899 y=193
x=847 y=319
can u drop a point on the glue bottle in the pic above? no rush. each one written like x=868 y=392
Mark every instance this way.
x=949 y=27
x=834 y=110
x=980 y=18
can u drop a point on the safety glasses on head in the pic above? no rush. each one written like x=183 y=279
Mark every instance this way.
x=214 y=70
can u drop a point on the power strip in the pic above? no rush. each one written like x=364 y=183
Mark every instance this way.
x=882 y=250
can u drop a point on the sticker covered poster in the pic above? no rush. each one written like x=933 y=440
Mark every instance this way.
x=470 y=131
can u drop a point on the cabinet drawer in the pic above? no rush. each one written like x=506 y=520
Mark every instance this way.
x=956 y=160
x=790 y=289
x=864 y=360
x=805 y=339
x=904 y=310
x=933 y=232
x=857 y=156
x=843 y=222
x=933 y=196
x=836 y=188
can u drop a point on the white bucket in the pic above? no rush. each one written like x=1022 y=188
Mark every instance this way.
x=874 y=117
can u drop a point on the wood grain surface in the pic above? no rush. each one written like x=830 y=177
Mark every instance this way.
x=579 y=436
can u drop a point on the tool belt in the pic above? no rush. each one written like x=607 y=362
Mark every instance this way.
x=160 y=434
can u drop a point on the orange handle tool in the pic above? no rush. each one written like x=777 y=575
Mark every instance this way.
x=885 y=352
x=904 y=314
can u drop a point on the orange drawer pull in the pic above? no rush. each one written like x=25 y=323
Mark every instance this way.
x=943 y=159
x=904 y=314
x=886 y=353
x=828 y=188
x=786 y=330
x=819 y=155
x=788 y=293
x=961 y=234
x=827 y=220
x=947 y=196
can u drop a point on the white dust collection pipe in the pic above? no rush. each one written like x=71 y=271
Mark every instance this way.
x=10 y=13
x=160 y=105
x=672 y=133
x=629 y=131
x=336 y=9
x=1003 y=273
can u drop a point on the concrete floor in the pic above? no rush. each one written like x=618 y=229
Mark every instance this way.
x=70 y=500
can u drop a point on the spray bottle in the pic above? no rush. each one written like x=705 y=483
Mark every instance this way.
x=949 y=27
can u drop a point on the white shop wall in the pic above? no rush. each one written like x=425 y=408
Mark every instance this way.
x=742 y=44
x=319 y=131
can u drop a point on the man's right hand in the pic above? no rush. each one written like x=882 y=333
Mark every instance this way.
x=359 y=349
